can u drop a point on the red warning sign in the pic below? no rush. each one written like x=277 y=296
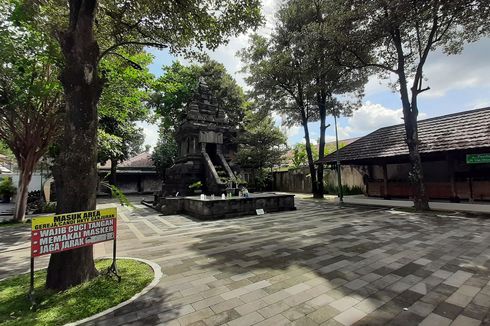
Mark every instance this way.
x=51 y=234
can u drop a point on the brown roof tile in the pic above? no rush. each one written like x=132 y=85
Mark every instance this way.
x=463 y=130
x=142 y=160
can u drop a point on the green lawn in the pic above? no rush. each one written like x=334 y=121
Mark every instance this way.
x=74 y=304
x=11 y=223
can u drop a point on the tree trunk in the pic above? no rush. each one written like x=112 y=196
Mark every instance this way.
x=420 y=198
x=25 y=177
x=321 y=150
x=416 y=176
x=309 y=154
x=113 y=175
x=76 y=167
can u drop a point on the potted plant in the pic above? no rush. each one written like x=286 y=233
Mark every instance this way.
x=7 y=189
x=196 y=187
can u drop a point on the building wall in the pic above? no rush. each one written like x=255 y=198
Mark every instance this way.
x=433 y=171
x=470 y=181
x=136 y=183
x=35 y=183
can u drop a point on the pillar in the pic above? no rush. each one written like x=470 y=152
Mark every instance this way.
x=385 y=180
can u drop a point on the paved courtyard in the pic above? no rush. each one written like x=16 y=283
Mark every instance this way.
x=319 y=265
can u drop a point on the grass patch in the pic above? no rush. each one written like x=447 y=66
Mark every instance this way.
x=58 y=308
x=10 y=223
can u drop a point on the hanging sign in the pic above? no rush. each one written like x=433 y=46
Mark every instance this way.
x=478 y=158
x=51 y=234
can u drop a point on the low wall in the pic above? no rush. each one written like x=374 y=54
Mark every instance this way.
x=299 y=180
x=210 y=209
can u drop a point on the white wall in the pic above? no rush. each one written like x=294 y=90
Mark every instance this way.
x=35 y=183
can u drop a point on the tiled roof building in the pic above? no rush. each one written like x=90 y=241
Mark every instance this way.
x=459 y=131
x=455 y=153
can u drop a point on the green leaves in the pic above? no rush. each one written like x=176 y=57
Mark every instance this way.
x=261 y=143
x=185 y=26
x=123 y=102
x=175 y=89
x=299 y=157
x=31 y=104
x=164 y=152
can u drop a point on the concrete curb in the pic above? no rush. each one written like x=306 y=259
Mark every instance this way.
x=158 y=275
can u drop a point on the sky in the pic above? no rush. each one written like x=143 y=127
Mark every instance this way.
x=457 y=83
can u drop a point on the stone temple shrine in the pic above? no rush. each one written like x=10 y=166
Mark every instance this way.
x=205 y=148
x=205 y=154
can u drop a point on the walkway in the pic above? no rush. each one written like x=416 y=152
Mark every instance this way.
x=319 y=265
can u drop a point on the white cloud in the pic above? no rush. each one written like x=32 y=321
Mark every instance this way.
x=469 y=69
x=150 y=131
x=373 y=116
x=479 y=103
x=291 y=131
x=370 y=117
x=444 y=73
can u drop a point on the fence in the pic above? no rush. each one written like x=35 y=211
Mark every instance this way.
x=299 y=180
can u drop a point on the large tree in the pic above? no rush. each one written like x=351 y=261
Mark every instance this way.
x=178 y=25
x=123 y=102
x=334 y=89
x=397 y=37
x=261 y=144
x=165 y=151
x=31 y=102
x=175 y=88
x=278 y=74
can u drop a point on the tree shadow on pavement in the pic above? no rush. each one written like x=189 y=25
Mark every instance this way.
x=358 y=251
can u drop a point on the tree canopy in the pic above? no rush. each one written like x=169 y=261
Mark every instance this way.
x=396 y=37
x=165 y=151
x=296 y=72
x=261 y=144
x=123 y=102
x=175 y=88
x=31 y=101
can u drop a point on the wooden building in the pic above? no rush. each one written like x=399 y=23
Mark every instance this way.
x=135 y=175
x=455 y=152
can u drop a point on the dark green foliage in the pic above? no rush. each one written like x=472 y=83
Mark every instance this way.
x=175 y=88
x=263 y=180
x=331 y=189
x=7 y=188
x=261 y=143
x=165 y=152
x=123 y=102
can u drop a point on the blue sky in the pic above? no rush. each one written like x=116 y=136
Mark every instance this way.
x=458 y=83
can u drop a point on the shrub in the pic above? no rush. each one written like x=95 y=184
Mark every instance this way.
x=7 y=187
x=196 y=185
x=331 y=189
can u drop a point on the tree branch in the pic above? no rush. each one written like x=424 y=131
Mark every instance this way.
x=115 y=46
x=368 y=64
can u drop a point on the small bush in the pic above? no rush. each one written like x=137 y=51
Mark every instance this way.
x=196 y=185
x=7 y=187
x=346 y=190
